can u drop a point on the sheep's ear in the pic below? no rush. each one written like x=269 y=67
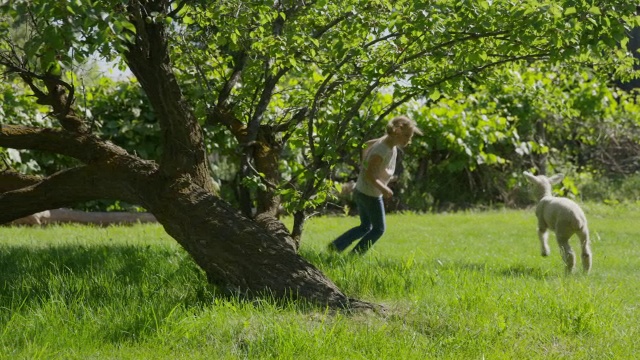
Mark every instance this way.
x=530 y=176
x=555 y=179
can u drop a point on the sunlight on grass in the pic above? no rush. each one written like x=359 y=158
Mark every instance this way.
x=465 y=285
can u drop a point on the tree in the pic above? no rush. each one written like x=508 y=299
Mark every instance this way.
x=305 y=77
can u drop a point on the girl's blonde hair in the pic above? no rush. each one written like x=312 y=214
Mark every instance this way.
x=403 y=122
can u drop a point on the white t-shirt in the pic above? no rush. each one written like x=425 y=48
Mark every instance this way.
x=388 y=167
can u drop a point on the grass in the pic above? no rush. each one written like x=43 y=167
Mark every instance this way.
x=458 y=286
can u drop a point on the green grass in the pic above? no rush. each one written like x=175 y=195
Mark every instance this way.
x=457 y=286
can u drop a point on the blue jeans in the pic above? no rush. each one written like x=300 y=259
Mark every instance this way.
x=371 y=228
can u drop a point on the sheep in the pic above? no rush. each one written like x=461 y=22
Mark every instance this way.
x=564 y=217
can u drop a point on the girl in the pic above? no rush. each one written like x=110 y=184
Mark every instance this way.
x=378 y=166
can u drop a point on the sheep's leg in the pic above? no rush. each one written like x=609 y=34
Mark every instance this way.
x=566 y=251
x=585 y=243
x=543 y=235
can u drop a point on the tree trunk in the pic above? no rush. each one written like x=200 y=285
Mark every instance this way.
x=267 y=155
x=234 y=251
x=242 y=256
x=261 y=158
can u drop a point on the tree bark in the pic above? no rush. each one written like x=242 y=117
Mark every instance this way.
x=242 y=256
x=267 y=155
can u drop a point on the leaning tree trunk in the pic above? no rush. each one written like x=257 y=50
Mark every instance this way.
x=242 y=256
x=235 y=252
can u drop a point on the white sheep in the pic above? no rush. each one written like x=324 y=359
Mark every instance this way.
x=562 y=216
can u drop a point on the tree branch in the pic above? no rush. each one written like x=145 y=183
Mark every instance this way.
x=59 y=94
x=222 y=111
x=12 y=180
x=149 y=60
x=86 y=148
x=263 y=103
x=466 y=37
x=62 y=189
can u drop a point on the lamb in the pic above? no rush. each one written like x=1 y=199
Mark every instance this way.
x=564 y=217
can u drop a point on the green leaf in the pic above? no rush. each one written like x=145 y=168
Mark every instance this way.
x=129 y=26
x=570 y=10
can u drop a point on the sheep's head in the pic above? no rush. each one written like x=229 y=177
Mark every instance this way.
x=542 y=184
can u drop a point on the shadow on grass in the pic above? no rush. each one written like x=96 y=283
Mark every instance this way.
x=514 y=270
x=115 y=275
x=336 y=260
x=525 y=271
x=326 y=258
x=126 y=287
x=98 y=273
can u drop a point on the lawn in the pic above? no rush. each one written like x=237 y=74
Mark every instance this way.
x=468 y=285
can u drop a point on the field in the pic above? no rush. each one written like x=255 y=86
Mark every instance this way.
x=466 y=285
